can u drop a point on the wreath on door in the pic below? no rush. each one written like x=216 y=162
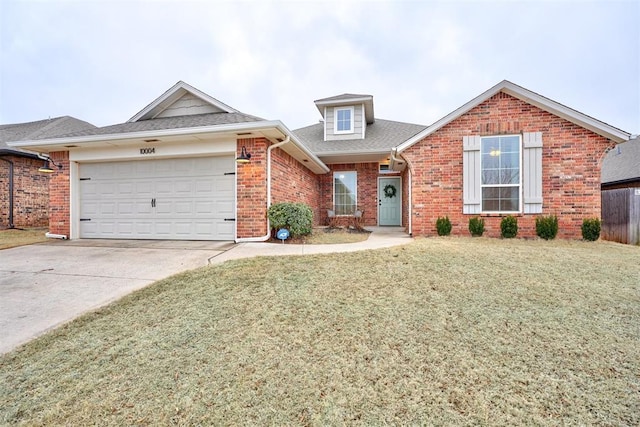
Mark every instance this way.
x=390 y=191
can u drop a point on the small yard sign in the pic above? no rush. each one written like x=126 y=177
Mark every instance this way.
x=282 y=234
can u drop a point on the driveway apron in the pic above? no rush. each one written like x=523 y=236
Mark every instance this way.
x=45 y=285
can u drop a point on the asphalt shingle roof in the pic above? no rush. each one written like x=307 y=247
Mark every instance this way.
x=177 y=122
x=41 y=129
x=343 y=97
x=622 y=163
x=381 y=135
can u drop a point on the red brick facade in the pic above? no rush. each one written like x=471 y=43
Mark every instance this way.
x=251 y=219
x=291 y=181
x=571 y=163
x=367 y=193
x=30 y=193
x=60 y=196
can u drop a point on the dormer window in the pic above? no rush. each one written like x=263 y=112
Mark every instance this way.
x=343 y=120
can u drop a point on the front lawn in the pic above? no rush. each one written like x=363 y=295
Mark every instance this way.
x=10 y=238
x=443 y=331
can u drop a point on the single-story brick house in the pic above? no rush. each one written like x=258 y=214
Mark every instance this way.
x=24 y=193
x=170 y=172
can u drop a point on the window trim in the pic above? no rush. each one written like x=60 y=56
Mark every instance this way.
x=351 y=110
x=520 y=177
x=333 y=193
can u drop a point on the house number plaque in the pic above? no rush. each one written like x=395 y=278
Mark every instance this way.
x=148 y=150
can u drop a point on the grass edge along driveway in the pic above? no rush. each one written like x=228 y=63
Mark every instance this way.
x=454 y=331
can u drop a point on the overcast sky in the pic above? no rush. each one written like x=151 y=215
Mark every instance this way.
x=103 y=61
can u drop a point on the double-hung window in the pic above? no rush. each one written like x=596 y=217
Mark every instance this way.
x=500 y=173
x=345 y=194
x=343 y=120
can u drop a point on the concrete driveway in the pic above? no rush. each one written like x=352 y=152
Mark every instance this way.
x=45 y=285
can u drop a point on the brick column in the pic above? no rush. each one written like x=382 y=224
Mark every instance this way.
x=59 y=195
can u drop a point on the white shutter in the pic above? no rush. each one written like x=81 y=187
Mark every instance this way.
x=471 y=190
x=532 y=172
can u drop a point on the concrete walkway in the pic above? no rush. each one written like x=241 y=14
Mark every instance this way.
x=380 y=237
x=46 y=285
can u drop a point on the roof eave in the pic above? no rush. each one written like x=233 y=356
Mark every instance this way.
x=88 y=139
x=316 y=166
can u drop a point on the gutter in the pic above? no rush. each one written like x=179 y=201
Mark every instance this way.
x=268 y=235
x=11 y=225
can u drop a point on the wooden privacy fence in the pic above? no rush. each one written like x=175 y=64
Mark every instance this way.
x=621 y=215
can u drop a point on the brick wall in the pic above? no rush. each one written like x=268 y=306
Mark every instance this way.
x=291 y=181
x=30 y=193
x=251 y=219
x=571 y=159
x=367 y=182
x=59 y=196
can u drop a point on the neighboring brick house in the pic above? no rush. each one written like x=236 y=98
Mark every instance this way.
x=24 y=193
x=170 y=172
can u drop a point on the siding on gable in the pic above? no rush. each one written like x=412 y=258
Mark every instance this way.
x=358 y=122
x=571 y=160
x=188 y=105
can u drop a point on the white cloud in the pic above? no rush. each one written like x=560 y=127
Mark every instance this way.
x=104 y=61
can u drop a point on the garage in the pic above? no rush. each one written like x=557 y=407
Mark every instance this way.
x=177 y=199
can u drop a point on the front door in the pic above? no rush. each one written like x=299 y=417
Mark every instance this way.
x=389 y=201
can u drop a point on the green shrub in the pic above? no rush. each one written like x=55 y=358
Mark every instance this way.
x=295 y=217
x=591 y=229
x=509 y=227
x=476 y=226
x=443 y=225
x=547 y=227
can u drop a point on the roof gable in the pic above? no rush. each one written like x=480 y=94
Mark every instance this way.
x=529 y=97
x=347 y=99
x=181 y=99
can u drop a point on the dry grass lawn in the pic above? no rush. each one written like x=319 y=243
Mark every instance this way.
x=328 y=236
x=11 y=238
x=444 y=331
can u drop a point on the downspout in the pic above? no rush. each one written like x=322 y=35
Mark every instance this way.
x=409 y=190
x=11 y=225
x=268 y=235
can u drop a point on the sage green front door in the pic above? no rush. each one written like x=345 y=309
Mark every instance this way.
x=389 y=201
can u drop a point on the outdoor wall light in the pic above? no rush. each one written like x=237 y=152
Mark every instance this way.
x=244 y=157
x=46 y=168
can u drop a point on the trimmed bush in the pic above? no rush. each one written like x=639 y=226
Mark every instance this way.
x=509 y=227
x=295 y=217
x=443 y=225
x=547 y=227
x=591 y=229
x=476 y=226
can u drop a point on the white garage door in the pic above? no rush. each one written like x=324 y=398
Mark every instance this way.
x=179 y=199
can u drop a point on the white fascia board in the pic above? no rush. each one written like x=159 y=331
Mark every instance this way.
x=569 y=114
x=532 y=98
x=346 y=101
x=303 y=148
x=353 y=153
x=88 y=139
